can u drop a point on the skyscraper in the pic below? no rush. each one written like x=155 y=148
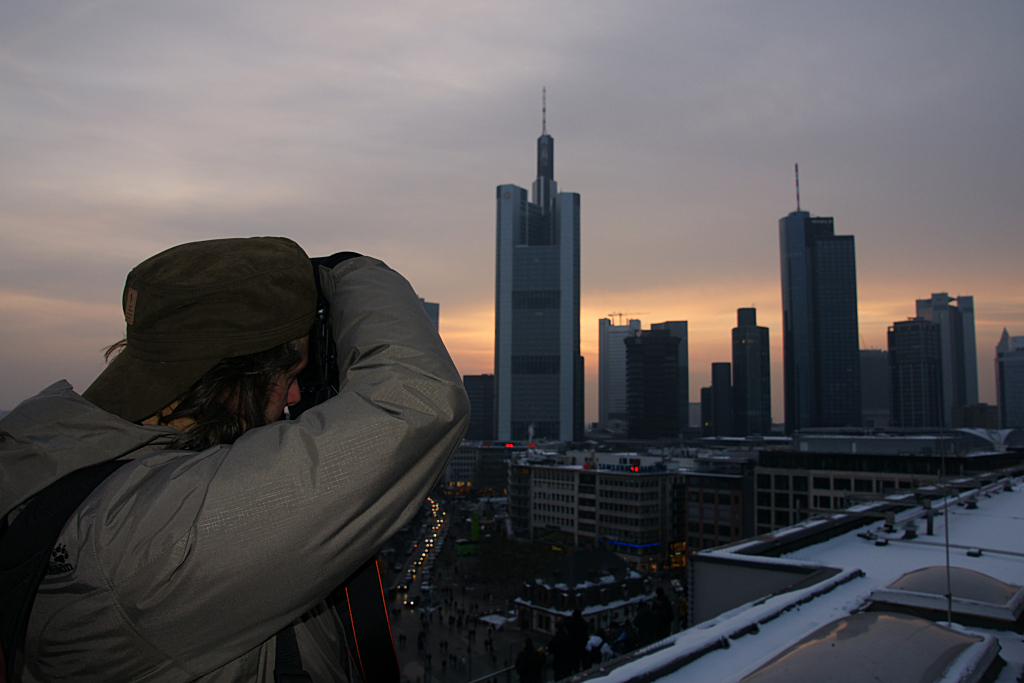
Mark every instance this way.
x=721 y=400
x=958 y=349
x=680 y=330
x=1010 y=381
x=480 y=389
x=652 y=391
x=611 y=371
x=875 y=379
x=751 y=375
x=538 y=370
x=820 y=346
x=716 y=403
x=916 y=374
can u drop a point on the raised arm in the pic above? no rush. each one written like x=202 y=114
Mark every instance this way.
x=207 y=555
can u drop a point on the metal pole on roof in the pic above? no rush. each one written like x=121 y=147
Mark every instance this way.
x=949 y=582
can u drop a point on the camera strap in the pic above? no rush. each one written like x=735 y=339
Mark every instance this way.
x=361 y=604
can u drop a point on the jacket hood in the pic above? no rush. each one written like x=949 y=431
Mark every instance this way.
x=57 y=432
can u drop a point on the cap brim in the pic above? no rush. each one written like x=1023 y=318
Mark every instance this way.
x=135 y=389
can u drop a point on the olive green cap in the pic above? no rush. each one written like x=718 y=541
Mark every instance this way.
x=195 y=304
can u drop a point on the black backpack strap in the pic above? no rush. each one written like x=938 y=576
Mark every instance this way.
x=26 y=547
x=27 y=544
x=363 y=610
x=288 y=661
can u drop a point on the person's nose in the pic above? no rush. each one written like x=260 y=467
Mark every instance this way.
x=293 y=393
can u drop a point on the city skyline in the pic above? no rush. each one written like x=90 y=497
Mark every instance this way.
x=131 y=127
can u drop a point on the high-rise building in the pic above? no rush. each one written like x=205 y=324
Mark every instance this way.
x=538 y=370
x=611 y=372
x=915 y=364
x=820 y=345
x=1010 y=381
x=874 y=387
x=751 y=376
x=707 y=412
x=679 y=330
x=480 y=389
x=959 y=353
x=717 y=407
x=652 y=389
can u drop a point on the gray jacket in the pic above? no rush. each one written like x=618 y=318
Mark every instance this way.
x=183 y=565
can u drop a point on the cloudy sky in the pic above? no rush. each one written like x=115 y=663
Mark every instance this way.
x=383 y=128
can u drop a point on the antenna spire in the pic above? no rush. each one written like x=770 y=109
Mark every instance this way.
x=796 y=170
x=544 y=111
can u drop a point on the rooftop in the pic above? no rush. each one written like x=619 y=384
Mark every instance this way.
x=814 y=607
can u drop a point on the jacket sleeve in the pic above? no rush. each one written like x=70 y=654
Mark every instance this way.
x=208 y=555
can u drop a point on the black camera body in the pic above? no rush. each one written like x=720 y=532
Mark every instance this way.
x=318 y=381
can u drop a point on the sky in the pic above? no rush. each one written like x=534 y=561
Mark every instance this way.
x=383 y=128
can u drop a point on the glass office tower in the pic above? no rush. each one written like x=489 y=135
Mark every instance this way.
x=821 y=354
x=538 y=370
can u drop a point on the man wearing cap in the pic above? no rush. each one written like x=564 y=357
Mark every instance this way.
x=228 y=524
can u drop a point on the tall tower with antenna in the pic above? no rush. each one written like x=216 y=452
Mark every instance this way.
x=820 y=341
x=538 y=370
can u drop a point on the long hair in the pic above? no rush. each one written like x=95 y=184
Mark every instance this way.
x=229 y=399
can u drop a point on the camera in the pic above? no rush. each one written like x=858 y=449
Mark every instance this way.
x=318 y=381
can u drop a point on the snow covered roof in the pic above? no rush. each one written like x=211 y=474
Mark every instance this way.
x=796 y=611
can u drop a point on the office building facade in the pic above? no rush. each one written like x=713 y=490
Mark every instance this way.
x=820 y=343
x=717 y=408
x=1010 y=381
x=620 y=502
x=915 y=364
x=538 y=370
x=824 y=472
x=613 y=411
x=480 y=389
x=652 y=388
x=480 y=468
x=715 y=501
x=874 y=388
x=751 y=376
x=958 y=348
x=680 y=330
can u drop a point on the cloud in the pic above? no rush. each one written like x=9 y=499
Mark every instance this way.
x=128 y=127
